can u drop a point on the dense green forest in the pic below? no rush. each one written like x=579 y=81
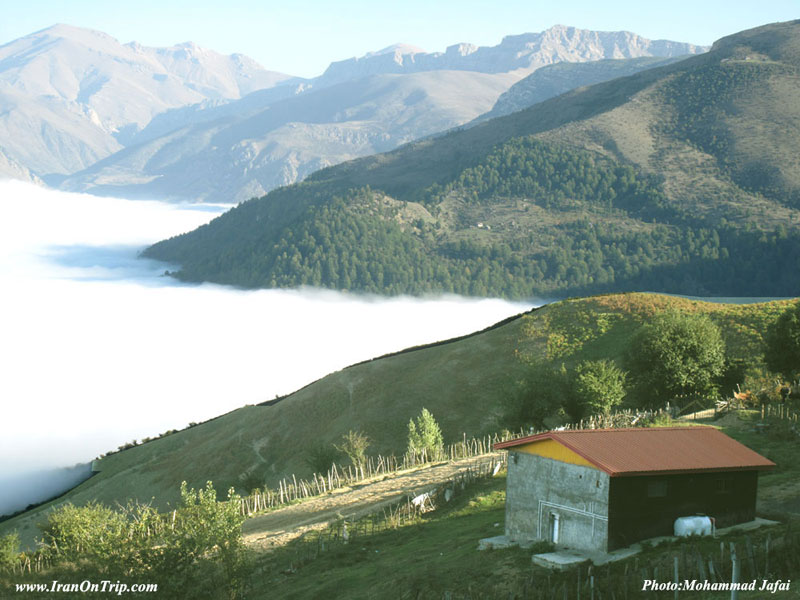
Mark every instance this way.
x=681 y=179
x=358 y=242
x=557 y=177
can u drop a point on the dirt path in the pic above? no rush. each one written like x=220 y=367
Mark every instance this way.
x=281 y=526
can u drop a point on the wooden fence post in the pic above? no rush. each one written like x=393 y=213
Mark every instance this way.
x=734 y=572
x=675 y=574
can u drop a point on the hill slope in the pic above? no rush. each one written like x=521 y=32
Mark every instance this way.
x=682 y=178
x=463 y=382
x=554 y=80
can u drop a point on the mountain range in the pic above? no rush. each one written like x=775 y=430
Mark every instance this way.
x=526 y=53
x=83 y=111
x=681 y=178
x=72 y=96
x=237 y=151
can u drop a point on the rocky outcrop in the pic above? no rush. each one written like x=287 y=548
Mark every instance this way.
x=526 y=52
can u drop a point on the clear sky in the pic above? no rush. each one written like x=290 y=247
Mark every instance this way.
x=301 y=37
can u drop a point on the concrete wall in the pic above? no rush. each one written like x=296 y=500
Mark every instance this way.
x=539 y=488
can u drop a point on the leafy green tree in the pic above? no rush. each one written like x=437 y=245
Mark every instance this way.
x=782 y=353
x=598 y=386
x=354 y=445
x=676 y=354
x=425 y=436
x=320 y=457
x=540 y=394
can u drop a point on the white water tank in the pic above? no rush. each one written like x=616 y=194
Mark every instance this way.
x=697 y=525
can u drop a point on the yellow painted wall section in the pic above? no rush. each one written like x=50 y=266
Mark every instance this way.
x=554 y=450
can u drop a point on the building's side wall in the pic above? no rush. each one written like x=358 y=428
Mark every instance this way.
x=647 y=506
x=540 y=488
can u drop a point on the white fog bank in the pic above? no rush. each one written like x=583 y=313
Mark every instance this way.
x=98 y=349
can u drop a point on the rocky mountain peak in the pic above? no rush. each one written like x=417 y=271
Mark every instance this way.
x=525 y=52
x=461 y=49
x=394 y=50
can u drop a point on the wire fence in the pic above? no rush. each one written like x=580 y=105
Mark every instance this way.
x=348 y=529
x=292 y=489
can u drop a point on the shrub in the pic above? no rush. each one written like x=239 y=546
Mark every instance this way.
x=193 y=552
x=320 y=457
x=9 y=551
x=94 y=532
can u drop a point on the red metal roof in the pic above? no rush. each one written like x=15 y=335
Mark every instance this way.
x=654 y=450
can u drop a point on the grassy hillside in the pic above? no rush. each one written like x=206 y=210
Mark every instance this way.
x=389 y=553
x=463 y=382
x=681 y=178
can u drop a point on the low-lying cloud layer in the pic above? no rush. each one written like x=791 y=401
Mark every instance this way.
x=99 y=349
x=32 y=487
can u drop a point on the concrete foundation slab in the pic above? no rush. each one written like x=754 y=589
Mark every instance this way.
x=749 y=526
x=561 y=560
x=495 y=543
x=503 y=541
x=567 y=558
x=602 y=558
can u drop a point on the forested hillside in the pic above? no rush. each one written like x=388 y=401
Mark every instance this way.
x=681 y=178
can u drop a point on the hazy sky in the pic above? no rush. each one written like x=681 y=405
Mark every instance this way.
x=303 y=37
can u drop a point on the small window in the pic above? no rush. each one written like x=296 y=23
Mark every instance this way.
x=657 y=489
x=724 y=485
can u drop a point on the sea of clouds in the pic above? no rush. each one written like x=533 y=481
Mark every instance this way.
x=99 y=348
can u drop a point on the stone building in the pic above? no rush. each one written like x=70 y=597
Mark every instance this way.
x=603 y=489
